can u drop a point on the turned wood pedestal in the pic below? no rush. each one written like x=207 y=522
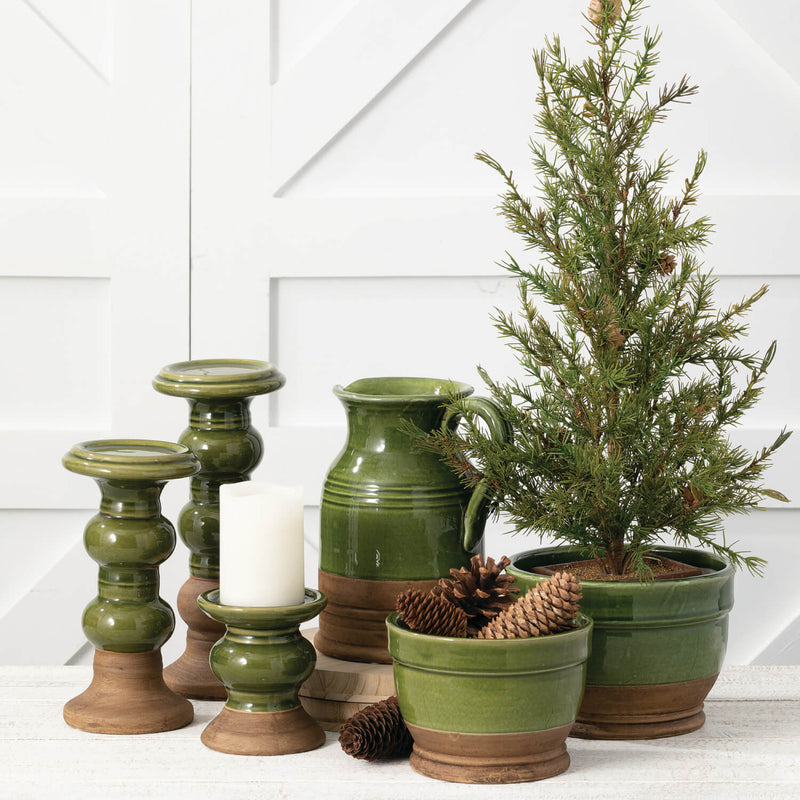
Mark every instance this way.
x=228 y=448
x=128 y=622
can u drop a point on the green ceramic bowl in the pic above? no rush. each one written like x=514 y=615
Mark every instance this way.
x=489 y=685
x=488 y=710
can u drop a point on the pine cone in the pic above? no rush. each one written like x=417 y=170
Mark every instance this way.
x=377 y=731
x=425 y=612
x=666 y=263
x=596 y=11
x=547 y=608
x=482 y=591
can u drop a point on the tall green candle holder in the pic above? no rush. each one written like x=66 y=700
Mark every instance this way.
x=228 y=448
x=128 y=622
x=263 y=660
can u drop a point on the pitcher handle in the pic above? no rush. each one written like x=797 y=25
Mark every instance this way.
x=500 y=431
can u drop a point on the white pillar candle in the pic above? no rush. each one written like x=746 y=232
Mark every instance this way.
x=261 y=544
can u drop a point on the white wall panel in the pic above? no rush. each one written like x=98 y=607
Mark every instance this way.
x=94 y=276
x=774 y=317
x=65 y=342
x=436 y=327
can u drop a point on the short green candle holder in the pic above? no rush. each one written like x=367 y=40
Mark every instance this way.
x=228 y=448
x=263 y=660
x=128 y=622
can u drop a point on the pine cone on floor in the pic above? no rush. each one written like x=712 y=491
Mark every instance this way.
x=425 y=612
x=482 y=591
x=377 y=731
x=549 y=607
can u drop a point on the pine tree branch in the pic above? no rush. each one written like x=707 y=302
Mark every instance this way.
x=630 y=378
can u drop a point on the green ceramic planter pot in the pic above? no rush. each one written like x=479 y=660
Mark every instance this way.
x=657 y=647
x=489 y=711
x=392 y=516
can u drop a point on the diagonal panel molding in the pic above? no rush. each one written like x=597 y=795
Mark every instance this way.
x=784 y=648
x=778 y=38
x=345 y=72
x=34 y=630
x=86 y=31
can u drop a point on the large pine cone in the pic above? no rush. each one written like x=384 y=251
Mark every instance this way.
x=425 y=612
x=482 y=591
x=377 y=731
x=550 y=607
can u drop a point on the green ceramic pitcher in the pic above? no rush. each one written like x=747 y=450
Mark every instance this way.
x=393 y=516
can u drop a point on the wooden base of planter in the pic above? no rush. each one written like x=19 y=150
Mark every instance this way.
x=642 y=712
x=338 y=689
x=353 y=624
x=490 y=757
x=191 y=674
x=128 y=695
x=260 y=733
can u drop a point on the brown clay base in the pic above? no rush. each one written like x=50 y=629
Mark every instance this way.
x=338 y=689
x=491 y=757
x=642 y=712
x=262 y=733
x=191 y=675
x=353 y=624
x=128 y=695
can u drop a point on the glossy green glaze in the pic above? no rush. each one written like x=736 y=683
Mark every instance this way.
x=389 y=510
x=263 y=659
x=649 y=633
x=221 y=437
x=489 y=685
x=129 y=538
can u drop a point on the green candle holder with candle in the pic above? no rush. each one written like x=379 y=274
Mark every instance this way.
x=263 y=661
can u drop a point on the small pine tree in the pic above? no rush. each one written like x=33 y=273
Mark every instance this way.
x=620 y=421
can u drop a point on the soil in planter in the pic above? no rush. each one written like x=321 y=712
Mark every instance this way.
x=663 y=569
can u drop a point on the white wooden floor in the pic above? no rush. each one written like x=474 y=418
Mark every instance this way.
x=748 y=748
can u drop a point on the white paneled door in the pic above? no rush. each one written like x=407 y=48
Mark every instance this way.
x=94 y=278
x=342 y=228
x=339 y=228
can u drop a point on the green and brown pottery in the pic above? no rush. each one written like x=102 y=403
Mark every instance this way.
x=657 y=647
x=489 y=710
x=262 y=661
x=228 y=448
x=128 y=622
x=393 y=516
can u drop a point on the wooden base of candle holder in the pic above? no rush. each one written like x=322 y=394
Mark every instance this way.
x=262 y=733
x=191 y=674
x=128 y=695
x=337 y=689
x=262 y=661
